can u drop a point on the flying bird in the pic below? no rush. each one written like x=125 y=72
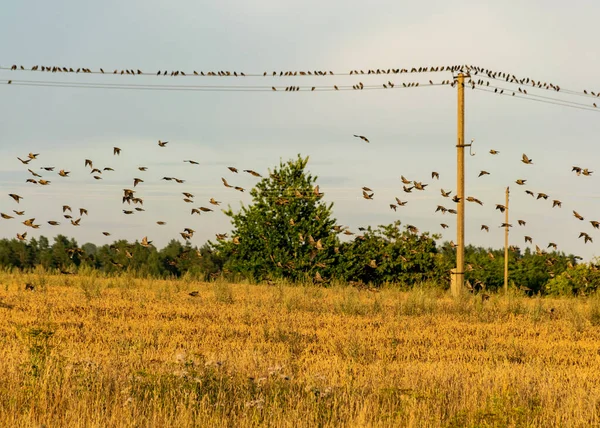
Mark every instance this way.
x=526 y=160
x=162 y=143
x=15 y=197
x=116 y=151
x=362 y=137
x=254 y=173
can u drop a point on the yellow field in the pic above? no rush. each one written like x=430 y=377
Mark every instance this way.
x=103 y=352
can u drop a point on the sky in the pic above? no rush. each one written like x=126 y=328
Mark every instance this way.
x=412 y=132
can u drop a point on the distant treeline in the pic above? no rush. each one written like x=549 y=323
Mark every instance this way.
x=380 y=256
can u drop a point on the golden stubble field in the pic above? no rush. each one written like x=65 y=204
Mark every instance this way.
x=91 y=351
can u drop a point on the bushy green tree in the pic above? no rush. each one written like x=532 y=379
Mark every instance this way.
x=389 y=254
x=582 y=279
x=287 y=230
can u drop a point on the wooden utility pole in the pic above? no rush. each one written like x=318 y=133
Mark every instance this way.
x=459 y=272
x=506 y=245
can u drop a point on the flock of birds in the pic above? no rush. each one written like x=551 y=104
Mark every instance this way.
x=135 y=203
x=475 y=77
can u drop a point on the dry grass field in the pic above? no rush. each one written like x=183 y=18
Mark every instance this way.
x=111 y=352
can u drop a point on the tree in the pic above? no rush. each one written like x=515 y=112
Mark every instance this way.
x=285 y=232
x=388 y=254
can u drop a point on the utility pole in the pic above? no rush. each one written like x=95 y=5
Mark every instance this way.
x=506 y=244
x=459 y=272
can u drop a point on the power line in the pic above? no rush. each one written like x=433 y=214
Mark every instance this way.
x=528 y=97
x=530 y=83
x=469 y=70
x=530 y=94
x=223 y=88
x=289 y=73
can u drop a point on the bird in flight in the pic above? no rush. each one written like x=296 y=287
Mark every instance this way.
x=362 y=137
x=526 y=160
x=254 y=173
x=15 y=197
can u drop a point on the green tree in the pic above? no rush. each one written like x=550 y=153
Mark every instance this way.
x=389 y=254
x=285 y=232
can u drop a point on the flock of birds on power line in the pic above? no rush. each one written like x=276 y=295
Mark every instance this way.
x=135 y=203
x=475 y=77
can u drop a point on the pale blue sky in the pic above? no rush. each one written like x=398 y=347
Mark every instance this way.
x=412 y=132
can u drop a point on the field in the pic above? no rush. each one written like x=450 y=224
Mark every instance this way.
x=109 y=352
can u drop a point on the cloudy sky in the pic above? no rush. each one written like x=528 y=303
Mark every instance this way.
x=412 y=131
